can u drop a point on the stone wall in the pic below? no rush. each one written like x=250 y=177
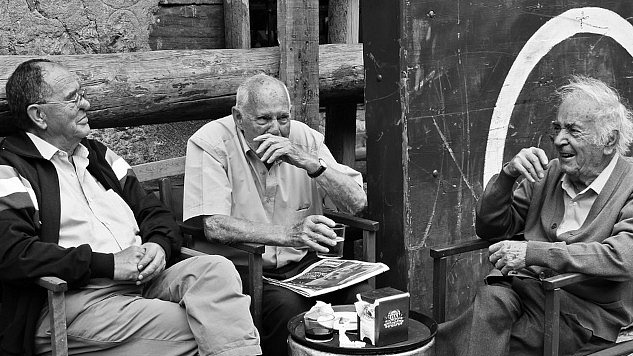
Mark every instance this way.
x=75 y=26
x=53 y=27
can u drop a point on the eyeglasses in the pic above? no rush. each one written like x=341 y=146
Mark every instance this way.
x=81 y=94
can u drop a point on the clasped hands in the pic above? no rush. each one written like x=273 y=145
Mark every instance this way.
x=139 y=263
x=508 y=256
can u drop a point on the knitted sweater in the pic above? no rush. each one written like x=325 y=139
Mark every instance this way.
x=29 y=232
x=601 y=247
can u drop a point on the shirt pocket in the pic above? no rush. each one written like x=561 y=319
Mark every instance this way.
x=302 y=211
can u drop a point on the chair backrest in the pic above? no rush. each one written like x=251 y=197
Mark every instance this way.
x=171 y=194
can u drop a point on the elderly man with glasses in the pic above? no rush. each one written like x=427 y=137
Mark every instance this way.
x=72 y=208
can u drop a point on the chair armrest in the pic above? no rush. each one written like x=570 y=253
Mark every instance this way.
x=460 y=247
x=563 y=280
x=353 y=221
x=53 y=284
x=198 y=233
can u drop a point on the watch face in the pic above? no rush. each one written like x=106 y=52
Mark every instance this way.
x=322 y=162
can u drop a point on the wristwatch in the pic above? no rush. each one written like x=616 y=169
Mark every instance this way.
x=319 y=171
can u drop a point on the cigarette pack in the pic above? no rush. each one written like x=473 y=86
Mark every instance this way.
x=384 y=316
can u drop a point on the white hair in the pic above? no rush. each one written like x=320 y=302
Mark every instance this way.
x=610 y=113
x=243 y=95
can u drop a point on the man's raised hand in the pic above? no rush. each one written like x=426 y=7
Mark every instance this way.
x=274 y=147
x=529 y=162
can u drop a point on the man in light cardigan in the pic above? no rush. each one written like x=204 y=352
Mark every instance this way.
x=576 y=215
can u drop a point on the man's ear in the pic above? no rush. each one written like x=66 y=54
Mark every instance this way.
x=612 y=140
x=37 y=116
x=237 y=117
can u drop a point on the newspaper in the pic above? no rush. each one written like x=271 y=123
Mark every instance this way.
x=328 y=275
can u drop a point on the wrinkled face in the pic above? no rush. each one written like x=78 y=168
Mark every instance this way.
x=268 y=111
x=63 y=111
x=581 y=156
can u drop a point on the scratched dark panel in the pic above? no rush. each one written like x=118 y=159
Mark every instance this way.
x=455 y=57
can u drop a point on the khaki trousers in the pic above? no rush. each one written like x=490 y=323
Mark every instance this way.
x=195 y=306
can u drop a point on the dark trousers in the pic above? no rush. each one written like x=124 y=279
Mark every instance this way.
x=507 y=319
x=281 y=304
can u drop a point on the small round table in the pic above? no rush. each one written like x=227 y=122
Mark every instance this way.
x=421 y=339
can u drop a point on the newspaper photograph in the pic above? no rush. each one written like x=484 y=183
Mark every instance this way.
x=329 y=275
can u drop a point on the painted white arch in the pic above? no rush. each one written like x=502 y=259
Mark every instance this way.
x=581 y=20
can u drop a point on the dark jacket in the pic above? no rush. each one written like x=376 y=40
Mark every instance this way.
x=29 y=233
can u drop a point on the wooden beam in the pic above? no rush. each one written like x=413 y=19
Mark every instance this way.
x=343 y=21
x=131 y=89
x=340 y=132
x=298 y=34
x=237 y=25
x=190 y=2
x=387 y=161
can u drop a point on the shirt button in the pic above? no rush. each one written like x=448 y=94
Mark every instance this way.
x=554 y=225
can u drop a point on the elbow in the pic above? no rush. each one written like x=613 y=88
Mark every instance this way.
x=360 y=205
x=356 y=204
x=215 y=231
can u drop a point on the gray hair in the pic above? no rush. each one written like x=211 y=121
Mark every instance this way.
x=26 y=86
x=611 y=114
x=250 y=86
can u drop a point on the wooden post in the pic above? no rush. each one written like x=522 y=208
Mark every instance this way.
x=298 y=33
x=343 y=20
x=340 y=118
x=386 y=138
x=237 y=26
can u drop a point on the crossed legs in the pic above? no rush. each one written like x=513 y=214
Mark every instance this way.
x=195 y=306
x=506 y=319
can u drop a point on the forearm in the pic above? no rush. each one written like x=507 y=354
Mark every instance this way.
x=227 y=229
x=500 y=211
x=611 y=259
x=344 y=191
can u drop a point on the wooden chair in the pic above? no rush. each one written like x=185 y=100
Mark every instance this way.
x=171 y=195
x=552 y=287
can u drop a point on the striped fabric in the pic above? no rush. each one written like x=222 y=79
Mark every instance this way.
x=15 y=191
x=120 y=167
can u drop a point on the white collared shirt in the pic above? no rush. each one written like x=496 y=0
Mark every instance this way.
x=577 y=205
x=223 y=176
x=89 y=214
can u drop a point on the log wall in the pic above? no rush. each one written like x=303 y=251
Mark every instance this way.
x=131 y=89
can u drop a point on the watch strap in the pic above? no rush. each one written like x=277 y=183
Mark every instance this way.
x=319 y=171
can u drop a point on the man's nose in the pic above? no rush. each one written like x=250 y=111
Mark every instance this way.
x=84 y=104
x=560 y=138
x=274 y=127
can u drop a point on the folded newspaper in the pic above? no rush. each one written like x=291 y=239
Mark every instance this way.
x=328 y=275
